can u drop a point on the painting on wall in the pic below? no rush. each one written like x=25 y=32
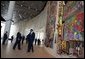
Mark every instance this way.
x=74 y=24
x=50 y=25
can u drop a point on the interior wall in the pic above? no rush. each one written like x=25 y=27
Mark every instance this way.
x=52 y=7
x=2 y=29
x=74 y=21
x=37 y=24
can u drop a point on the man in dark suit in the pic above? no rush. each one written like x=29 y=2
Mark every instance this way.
x=18 y=39
x=30 y=38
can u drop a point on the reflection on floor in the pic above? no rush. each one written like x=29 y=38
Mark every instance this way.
x=8 y=52
x=39 y=52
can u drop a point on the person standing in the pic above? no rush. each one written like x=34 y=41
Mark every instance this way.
x=4 y=38
x=23 y=37
x=12 y=38
x=18 y=39
x=39 y=41
x=30 y=38
x=26 y=39
x=35 y=41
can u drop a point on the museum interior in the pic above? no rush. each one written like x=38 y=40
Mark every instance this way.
x=58 y=27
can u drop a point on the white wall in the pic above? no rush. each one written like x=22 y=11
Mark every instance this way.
x=2 y=29
x=38 y=24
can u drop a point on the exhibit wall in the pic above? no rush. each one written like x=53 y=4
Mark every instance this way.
x=74 y=20
x=50 y=25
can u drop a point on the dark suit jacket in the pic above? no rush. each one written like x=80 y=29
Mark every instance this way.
x=31 y=37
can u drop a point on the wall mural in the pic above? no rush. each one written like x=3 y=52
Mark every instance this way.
x=74 y=24
x=50 y=27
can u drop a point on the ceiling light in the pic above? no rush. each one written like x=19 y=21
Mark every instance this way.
x=36 y=9
x=2 y=4
x=20 y=16
x=29 y=7
x=21 y=5
x=18 y=11
x=22 y=1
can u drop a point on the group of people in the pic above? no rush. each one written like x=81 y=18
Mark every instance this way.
x=29 y=40
x=5 y=37
x=37 y=41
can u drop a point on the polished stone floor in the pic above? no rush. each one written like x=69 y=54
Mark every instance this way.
x=8 y=52
x=39 y=52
